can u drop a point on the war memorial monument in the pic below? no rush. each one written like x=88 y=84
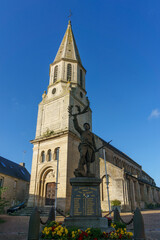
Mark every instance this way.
x=85 y=210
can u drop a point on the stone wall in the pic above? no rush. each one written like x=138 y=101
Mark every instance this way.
x=127 y=181
x=16 y=191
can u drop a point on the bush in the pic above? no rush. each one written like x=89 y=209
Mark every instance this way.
x=157 y=205
x=150 y=206
x=115 y=202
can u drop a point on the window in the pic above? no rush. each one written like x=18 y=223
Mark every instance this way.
x=104 y=187
x=49 y=155
x=22 y=171
x=1 y=181
x=42 y=156
x=3 y=164
x=57 y=153
x=55 y=73
x=81 y=78
x=69 y=72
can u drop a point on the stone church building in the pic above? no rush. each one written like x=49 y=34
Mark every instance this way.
x=57 y=141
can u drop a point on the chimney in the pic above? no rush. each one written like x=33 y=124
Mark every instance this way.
x=22 y=164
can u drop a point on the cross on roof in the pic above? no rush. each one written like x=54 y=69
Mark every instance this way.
x=70 y=14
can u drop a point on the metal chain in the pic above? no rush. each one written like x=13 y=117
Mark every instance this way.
x=43 y=223
x=50 y=217
x=125 y=222
x=109 y=213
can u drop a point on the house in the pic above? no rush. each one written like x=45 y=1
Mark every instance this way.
x=15 y=179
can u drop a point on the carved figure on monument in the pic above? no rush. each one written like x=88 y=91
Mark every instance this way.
x=87 y=147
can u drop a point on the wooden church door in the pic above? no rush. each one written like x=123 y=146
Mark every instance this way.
x=50 y=193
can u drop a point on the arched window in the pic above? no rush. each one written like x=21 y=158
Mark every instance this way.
x=104 y=187
x=55 y=73
x=49 y=155
x=81 y=78
x=42 y=156
x=56 y=153
x=69 y=72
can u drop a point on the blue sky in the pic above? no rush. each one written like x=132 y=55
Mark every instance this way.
x=119 y=45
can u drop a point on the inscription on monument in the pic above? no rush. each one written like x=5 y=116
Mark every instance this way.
x=85 y=201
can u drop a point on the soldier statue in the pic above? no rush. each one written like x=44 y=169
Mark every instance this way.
x=87 y=147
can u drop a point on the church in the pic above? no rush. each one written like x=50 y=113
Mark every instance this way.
x=55 y=146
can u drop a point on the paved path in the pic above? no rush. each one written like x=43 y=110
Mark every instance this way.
x=16 y=227
x=151 y=223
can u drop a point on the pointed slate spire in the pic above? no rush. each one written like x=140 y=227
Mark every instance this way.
x=68 y=49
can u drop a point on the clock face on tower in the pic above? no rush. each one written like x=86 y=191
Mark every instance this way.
x=54 y=91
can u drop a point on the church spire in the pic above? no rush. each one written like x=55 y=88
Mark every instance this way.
x=68 y=49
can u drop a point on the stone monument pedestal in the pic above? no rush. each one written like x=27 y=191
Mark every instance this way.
x=85 y=210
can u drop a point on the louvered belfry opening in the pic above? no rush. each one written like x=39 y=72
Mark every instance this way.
x=69 y=72
x=55 y=73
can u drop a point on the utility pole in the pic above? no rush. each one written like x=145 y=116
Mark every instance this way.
x=107 y=180
x=56 y=182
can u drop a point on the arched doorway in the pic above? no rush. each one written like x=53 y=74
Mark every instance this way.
x=50 y=193
x=47 y=186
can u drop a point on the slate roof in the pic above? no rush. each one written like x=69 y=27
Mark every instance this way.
x=118 y=151
x=13 y=169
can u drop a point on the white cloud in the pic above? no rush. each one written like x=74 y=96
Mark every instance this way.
x=154 y=114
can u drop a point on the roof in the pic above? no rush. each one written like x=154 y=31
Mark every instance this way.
x=13 y=169
x=108 y=145
x=68 y=49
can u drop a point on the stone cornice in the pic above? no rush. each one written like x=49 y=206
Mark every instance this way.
x=68 y=60
x=44 y=138
x=55 y=135
x=72 y=83
x=129 y=176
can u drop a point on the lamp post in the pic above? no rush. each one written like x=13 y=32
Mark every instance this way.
x=107 y=181
x=57 y=156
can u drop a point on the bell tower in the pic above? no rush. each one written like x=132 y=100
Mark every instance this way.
x=56 y=139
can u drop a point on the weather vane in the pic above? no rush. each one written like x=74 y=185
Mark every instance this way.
x=70 y=14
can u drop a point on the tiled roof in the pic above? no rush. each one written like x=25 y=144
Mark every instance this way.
x=13 y=169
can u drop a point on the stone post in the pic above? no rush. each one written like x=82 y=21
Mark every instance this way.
x=138 y=225
x=34 y=225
